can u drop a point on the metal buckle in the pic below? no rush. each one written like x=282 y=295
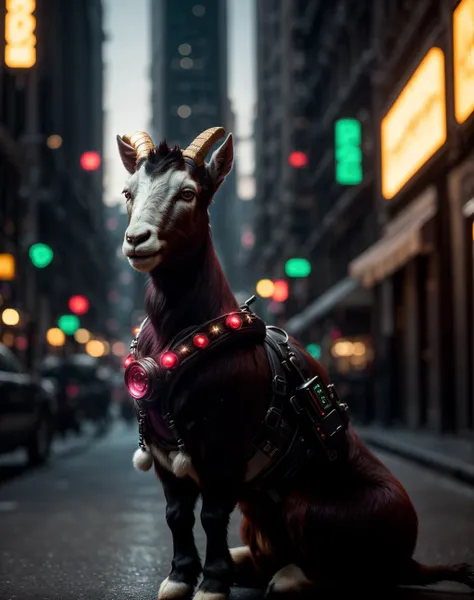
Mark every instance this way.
x=279 y=385
x=273 y=418
x=269 y=449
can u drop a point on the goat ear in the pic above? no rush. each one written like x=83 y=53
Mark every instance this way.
x=127 y=154
x=221 y=161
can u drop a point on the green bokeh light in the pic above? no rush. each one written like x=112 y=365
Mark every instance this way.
x=41 y=255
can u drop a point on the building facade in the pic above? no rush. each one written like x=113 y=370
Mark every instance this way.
x=189 y=92
x=315 y=64
x=52 y=113
x=389 y=300
x=421 y=269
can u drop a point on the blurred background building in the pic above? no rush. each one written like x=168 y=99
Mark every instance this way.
x=315 y=64
x=364 y=174
x=189 y=95
x=53 y=220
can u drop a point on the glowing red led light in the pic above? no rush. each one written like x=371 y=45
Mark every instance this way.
x=90 y=161
x=298 y=159
x=200 y=341
x=281 y=291
x=233 y=322
x=79 y=305
x=128 y=361
x=168 y=360
x=137 y=381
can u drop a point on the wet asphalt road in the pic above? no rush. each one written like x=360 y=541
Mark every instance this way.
x=90 y=527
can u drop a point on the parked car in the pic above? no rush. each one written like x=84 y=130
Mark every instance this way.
x=28 y=410
x=84 y=392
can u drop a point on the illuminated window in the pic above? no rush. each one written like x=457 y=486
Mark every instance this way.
x=54 y=141
x=184 y=49
x=186 y=63
x=184 y=111
x=199 y=10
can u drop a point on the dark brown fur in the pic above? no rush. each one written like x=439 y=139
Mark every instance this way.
x=352 y=522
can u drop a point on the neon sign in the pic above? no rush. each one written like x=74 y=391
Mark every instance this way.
x=20 y=26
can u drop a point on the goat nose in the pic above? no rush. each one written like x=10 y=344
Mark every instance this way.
x=139 y=238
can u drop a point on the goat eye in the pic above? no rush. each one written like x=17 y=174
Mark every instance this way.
x=128 y=195
x=187 y=194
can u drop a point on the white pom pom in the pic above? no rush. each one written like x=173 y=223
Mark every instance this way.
x=142 y=460
x=182 y=464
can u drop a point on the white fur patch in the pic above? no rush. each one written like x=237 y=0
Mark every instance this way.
x=142 y=461
x=182 y=466
x=150 y=195
x=203 y=595
x=290 y=579
x=240 y=555
x=178 y=463
x=170 y=590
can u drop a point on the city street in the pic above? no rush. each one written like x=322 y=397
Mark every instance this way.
x=89 y=526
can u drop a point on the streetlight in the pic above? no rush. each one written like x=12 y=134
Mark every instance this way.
x=10 y=316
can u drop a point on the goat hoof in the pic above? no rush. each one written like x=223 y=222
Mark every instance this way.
x=174 y=590
x=289 y=580
x=203 y=595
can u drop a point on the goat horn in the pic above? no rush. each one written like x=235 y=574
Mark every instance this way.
x=198 y=149
x=141 y=142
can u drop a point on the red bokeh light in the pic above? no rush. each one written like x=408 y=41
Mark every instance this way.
x=298 y=159
x=247 y=238
x=200 y=341
x=79 y=305
x=72 y=390
x=281 y=291
x=90 y=161
x=233 y=321
x=21 y=343
x=112 y=224
x=168 y=360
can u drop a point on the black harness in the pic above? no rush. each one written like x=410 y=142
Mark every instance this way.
x=305 y=417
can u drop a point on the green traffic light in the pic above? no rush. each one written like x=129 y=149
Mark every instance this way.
x=348 y=151
x=348 y=133
x=41 y=255
x=314 y=350
x=297 y=267
x=69 y=324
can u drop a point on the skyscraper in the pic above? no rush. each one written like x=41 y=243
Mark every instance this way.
x=189 y=90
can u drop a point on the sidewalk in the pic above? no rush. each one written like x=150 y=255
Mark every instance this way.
x=443 y=453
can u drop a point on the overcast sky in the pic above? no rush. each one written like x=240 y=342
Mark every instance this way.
x=127 y=94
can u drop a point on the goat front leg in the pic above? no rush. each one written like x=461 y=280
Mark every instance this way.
x=181 y=495
x=218 y=502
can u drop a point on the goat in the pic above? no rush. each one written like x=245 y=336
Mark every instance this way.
x=353 y=516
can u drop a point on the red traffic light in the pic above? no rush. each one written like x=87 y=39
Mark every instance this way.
x=298 y=159
x=78 y=305
x=280 y=293
x=90 y=161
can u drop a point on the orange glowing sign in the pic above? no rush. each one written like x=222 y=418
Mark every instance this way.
x=20 y=25
x=415 y=127
x=7 y=267
x=463 y=54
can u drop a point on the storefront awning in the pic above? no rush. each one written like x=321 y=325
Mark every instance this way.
x=405 y=237
x=322 y=305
